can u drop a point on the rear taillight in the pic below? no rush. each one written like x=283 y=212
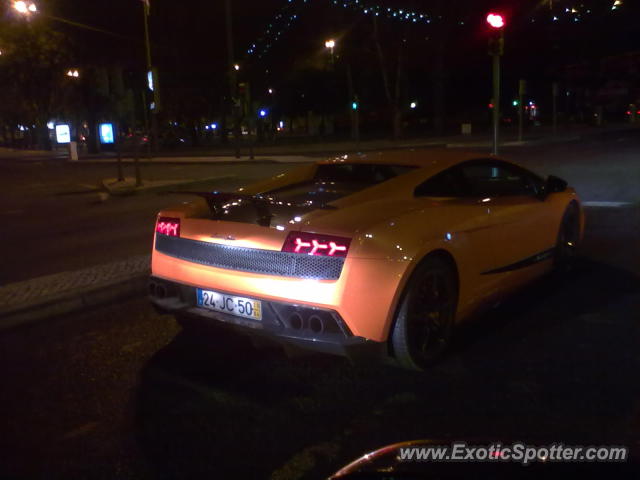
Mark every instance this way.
x=168 y=226
x=319 y=245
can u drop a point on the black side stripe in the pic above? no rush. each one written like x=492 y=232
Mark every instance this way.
x=527 y=262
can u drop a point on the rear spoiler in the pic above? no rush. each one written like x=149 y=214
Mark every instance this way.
x=218 y=202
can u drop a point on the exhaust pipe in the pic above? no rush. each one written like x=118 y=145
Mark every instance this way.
x=161 y=292
x=295 y=321
x=316 y=324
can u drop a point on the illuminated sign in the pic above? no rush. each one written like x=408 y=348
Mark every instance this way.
x=106 y=133
x=63 y=134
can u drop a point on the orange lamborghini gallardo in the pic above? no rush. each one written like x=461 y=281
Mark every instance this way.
x=376 y=254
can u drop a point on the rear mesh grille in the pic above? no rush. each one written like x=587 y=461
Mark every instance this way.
x=268 y=262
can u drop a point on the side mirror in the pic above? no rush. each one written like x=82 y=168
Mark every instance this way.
x=553 y=185
x=556 y=185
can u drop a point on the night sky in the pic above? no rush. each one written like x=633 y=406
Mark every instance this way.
x=191 y=35
x=189 y=43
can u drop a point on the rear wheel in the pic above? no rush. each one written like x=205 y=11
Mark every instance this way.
x=568 y=238
x=424 y=322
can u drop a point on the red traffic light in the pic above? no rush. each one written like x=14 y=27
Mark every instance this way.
x=495 y=20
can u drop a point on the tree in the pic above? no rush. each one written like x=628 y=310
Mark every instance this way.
x=392 y=91
x=33 y=86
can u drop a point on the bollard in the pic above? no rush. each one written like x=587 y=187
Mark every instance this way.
x=73 y=151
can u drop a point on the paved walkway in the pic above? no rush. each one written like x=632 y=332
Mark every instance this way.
x=205 y=160
x=288 y=151
x=61 y=293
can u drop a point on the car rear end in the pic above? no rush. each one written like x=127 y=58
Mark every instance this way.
x=258 y=265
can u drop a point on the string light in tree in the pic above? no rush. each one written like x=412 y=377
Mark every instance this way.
x=555 y=11
x=281 y=22
x=394 y=13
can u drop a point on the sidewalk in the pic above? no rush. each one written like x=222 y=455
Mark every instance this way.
x=61 y=293
x=112 y=186
x=202 y=160
x=287 y=150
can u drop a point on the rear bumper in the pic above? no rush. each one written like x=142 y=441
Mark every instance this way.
x=289 y=324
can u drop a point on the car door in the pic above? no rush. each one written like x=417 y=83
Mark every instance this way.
x=461 y=217
x=522 y=224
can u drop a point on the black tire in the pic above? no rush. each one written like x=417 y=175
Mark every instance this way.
x=425 y=319
x=568 y=241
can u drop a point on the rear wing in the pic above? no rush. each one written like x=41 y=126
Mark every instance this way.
x=220 y=202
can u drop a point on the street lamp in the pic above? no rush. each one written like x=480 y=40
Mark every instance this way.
x=25 y=8
x=497 y=23
x=331 y=45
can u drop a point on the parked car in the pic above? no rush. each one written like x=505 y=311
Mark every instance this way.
x=379 y=254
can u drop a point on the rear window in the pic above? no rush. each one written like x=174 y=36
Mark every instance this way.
x=335 y=181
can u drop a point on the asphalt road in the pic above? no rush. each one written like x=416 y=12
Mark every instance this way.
x=54 y=220
x=121 y=392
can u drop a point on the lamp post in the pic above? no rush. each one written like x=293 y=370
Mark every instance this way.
x=331 y=45
x=496 y=50
x=152 y=80
x=25 y=8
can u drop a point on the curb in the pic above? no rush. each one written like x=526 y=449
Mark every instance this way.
x=516 y=143
x=222 y=160
x=159 y=188
x=79 y=293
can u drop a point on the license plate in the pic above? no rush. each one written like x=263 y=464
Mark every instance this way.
x=239 y=306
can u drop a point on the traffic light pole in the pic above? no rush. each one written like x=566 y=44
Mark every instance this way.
x=496 y=101
x=496 y=50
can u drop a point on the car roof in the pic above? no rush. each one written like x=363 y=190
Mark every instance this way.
x=435 y=159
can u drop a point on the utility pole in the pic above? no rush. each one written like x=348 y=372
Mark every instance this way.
x=152 y=79
x=233 y=79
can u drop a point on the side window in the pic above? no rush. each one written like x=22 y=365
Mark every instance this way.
x=449 y=183
x=496 y=179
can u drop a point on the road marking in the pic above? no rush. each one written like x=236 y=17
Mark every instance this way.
x=606 y=204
